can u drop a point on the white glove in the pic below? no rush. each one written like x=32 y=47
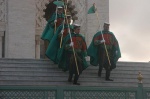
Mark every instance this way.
x=55 y=21
x=62 y=31
x=102 y=41
x=71 y=44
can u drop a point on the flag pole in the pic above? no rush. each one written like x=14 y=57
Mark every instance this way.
x=56 y=18
x=65 y=9
x=62 y=31
x=59 y=3
x=63 y=25
x=102 y=34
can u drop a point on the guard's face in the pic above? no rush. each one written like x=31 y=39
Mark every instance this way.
x=65 y=1
x=77 y=30
x=106 y=27
x=60 y=10
x=68 y=20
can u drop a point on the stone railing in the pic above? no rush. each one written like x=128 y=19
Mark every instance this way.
x=75 y=92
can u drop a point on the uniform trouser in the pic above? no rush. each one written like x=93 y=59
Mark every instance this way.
x=46 y=43
x=76 y=77
x=104 y=63
x=73 y=67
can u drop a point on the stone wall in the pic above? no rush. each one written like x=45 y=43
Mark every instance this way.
x=20 y=35
x=26 y=23
x=89 y=23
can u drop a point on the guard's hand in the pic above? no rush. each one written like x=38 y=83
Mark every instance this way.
x=97 y=42
x=55 y=21
x=71 y=44
x=102 y=41
x=62 y=31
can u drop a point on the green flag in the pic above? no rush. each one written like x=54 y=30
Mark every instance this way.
x=92 y=10
x=59 y=3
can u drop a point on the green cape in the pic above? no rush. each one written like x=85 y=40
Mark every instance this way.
x=49 y=29
x=54 y=45
x=93 y=51
x=62 y=55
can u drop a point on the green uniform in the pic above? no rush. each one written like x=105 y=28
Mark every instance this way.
x=98 y=55
x=93 y=50
x=67 y=59
x=54 y=45
x=62 y=54
x=50 y=26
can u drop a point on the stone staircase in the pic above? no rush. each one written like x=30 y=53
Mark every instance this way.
x=31 y=72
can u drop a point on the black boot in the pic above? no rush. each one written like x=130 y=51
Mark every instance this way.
x=70 y=77
x=108 y=75
x=75 y=83
x=76 y=79
x=100 y=72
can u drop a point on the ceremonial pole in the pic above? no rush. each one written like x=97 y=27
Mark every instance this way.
x=102 y=33
x=65 y=9
x=62 y=31
x=56 y=18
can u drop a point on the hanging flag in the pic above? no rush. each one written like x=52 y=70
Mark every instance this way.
x=59 y=3
x=92 y=9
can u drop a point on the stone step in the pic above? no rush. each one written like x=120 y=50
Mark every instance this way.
x=62 y=74
x=9 y=60
x=48 y=65
x=65 y=83
x=43 y=61
x=27 y=64
x=26 y=72
x=133 y=63
x=85 y=72
x=30 y=62
x=51 y=69
x=82 y=77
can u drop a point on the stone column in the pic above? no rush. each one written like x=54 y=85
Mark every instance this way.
x=20 y=35
x=3 y=15
x=1 y=47
x=37 y=44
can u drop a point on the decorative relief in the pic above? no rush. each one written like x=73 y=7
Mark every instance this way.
x=40 y=21
x=3 y=10
x=80 y=7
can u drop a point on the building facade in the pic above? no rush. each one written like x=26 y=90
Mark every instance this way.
x=22 y=22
